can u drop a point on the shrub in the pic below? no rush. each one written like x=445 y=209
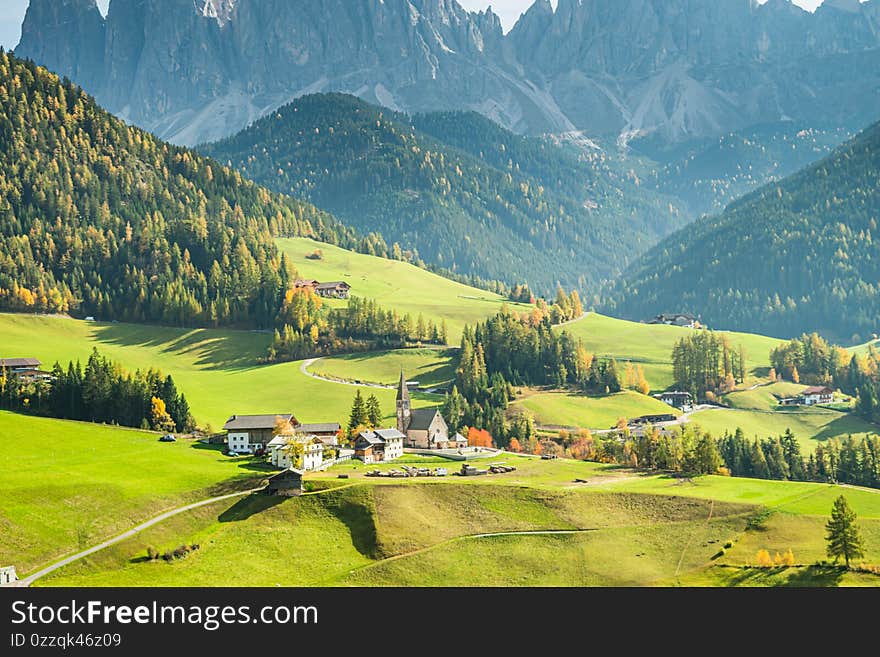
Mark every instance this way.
x=763 y=559
x=728 y=545
x=317 y=254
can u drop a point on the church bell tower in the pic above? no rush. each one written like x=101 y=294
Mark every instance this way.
x=404 y=406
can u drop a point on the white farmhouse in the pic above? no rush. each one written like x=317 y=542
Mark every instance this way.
x=280 y=452
x=248 y=434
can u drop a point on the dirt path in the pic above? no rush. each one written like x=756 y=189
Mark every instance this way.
x=30 y=579
x=306 y=364
x=691 y=539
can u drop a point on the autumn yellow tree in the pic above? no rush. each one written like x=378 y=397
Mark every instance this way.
x=159 y=417
x=788 y=558
x=514 y=445
x=763 y=559
x=641 y=382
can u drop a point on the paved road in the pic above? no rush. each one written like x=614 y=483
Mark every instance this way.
x=30 y=579
x=306 y=364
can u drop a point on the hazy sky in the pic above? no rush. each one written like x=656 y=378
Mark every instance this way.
x=12 y=13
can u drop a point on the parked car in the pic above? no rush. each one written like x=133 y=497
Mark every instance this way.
x=167 y=438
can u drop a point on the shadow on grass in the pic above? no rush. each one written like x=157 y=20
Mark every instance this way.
x=211 y=350
x=815 y=576
x=250 y=506
x=354 y=509
x=843 y=425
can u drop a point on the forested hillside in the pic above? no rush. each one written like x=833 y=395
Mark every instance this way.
x=100 y=218
x=796 y=256
x=468 y=194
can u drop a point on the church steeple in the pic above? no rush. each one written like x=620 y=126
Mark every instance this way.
x=404 y=406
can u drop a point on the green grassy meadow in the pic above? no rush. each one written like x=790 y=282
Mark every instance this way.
x=68 y=485
x=808 y=425
x=621 y=529
x=395 y=284
x=430 y=367
x=651 y=345
x=568 y=409
x=216 y=369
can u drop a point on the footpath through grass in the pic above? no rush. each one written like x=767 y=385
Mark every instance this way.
x=68 y=485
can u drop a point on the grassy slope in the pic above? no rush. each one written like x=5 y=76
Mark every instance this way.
x=808 y=425
x=651 y=346
x=575 y=410
x=214 y=368
x=430 y=367
x=395 y=284
x=67 y=485
x=642 y=530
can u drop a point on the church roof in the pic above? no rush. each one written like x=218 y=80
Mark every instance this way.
x=422 y=418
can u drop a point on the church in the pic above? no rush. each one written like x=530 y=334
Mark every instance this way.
x=424 y=428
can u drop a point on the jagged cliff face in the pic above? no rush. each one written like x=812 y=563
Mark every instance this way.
x=674 y=70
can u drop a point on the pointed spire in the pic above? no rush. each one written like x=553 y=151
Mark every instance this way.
x=402 y=390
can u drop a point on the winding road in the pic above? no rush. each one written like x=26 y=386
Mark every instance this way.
x=30 y=579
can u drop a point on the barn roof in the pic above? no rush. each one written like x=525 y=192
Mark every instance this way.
x=253 y=422
x=31 y=363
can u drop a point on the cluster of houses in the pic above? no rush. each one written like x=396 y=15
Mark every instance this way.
x=332 y=290
x=675 y=319
x=283 y=438
x=25 y=369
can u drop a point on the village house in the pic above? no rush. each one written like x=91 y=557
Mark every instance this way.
x=683 y=401
x=334 y=290
x=424 y=428
x=281 y=451
x=249 y=434
x=8 y=576
x=675 y=319
x=326 y=432
x=26 y=370
x=288 y=483
x=379 y=445
x=302 y=283
x=815 y=395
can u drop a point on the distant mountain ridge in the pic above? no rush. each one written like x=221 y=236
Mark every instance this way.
x=671 y=70
x=798 y=255
x=472 y=196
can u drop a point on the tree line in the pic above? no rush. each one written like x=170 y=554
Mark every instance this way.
x=705 y=364
x=101 y=392
x=310 y=329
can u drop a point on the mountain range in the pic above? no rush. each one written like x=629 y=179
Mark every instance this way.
x=473 y=197
x=664 y=71
x=801 y=254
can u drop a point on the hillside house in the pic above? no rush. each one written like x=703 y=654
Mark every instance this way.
x=326 y=432
x=303 y=283
x=288 y=483
x=683 y=401
x=675 y=319
x=281 y=452
x=249 y=434
x=815 y=395
x=26 y=369
x=379 y=445
x=334 y=290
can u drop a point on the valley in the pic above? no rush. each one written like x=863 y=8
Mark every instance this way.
x=378 y=294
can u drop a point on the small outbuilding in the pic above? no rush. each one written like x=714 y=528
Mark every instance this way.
x=288 y=483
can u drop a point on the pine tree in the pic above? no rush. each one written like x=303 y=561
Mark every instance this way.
x=374 y=412
x=843 y=537
x=358 y=417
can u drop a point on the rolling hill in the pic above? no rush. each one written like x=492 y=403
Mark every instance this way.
x=100 y=218
x=798 y=255
x=467 y=194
